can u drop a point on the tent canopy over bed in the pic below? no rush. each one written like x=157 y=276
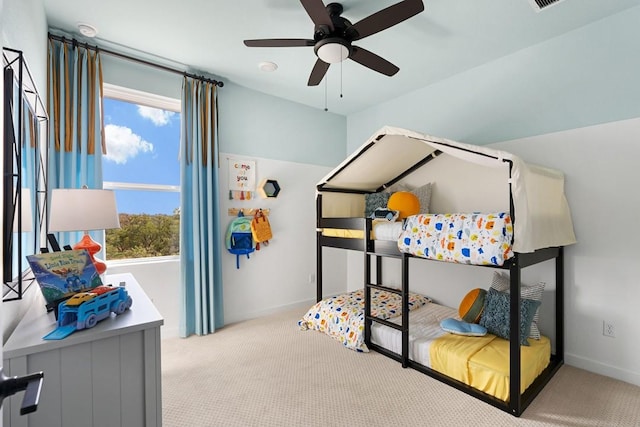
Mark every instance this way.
x=465 y=178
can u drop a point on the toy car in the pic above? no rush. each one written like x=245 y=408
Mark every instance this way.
x=99 y=290
x=80 y=297
x=85 y=309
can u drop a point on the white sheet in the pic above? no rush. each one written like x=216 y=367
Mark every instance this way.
x=387 y=230
x=424 y=327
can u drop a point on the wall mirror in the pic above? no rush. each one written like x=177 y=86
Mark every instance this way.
x=269 y=188
x=24 y=173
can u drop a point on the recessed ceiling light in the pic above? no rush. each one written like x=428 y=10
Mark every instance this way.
x=87 y=30
x=268 y=66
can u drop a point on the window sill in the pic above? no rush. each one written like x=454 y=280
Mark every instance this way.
x=143 y=261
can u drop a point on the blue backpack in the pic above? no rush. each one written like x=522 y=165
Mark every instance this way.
x=239 y=239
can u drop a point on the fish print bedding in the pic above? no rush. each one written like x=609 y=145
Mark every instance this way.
x=342 y=316
x=477 y=238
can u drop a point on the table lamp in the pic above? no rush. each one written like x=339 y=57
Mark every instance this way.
x=84 y=209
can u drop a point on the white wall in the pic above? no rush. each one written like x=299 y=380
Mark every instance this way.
x=276 y=276
x=602 y=270
x=160 y=280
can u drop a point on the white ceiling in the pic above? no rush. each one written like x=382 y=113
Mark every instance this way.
x=450 y=36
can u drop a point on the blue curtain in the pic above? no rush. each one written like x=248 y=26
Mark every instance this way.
x=200 y=235
x=76 y=131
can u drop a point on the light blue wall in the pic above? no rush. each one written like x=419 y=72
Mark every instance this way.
x=24 y=27
x=585 y=77
x=129 y=74
x=255 y=124
x=251 y=123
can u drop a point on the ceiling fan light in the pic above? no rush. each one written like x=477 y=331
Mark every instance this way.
x=332 y=50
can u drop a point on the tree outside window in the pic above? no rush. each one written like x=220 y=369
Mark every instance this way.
x=142 y=134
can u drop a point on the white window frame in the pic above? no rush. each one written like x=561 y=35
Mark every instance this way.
x=149 y=100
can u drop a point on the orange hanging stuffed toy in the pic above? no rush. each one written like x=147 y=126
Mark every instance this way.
x=261 y=229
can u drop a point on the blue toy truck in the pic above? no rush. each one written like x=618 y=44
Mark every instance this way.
x=87 y=310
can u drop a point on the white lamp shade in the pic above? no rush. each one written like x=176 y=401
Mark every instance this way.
x=83 y=209
x=26 y=215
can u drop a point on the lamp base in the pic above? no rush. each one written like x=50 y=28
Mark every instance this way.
x=93 y=248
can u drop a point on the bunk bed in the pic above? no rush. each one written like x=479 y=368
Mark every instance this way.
x=463 y=179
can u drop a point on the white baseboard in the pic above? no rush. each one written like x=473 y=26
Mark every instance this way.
x=602 y=369
x=302 y=305
x=169 y=332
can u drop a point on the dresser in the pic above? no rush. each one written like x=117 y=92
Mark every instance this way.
x=108 y=375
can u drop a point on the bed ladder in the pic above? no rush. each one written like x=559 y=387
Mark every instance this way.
x=403 y=327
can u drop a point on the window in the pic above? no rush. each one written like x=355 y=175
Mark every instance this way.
x=142 y=134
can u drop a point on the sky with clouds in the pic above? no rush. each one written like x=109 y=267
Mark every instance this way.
x=124 y=144
x=142 y=147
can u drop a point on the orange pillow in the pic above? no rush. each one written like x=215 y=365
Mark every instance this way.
x=404 y=202
x=472 y=305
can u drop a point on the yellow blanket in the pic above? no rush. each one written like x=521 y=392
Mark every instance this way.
x=483 y=362
x=489 y=368
x=343 y=232
x=450 y=354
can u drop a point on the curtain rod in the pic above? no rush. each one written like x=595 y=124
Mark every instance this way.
x=131 y=58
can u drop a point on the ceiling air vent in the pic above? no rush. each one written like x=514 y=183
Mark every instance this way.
x=539 y=5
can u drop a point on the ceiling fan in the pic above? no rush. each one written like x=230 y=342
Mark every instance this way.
x=334 y=34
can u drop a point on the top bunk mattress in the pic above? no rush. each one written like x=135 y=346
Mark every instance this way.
x=382 y=230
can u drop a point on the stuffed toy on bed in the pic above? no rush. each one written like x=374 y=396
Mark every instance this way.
x=404 y=202
x=385 y=214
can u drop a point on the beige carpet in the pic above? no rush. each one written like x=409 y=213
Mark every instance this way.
x=266 y=372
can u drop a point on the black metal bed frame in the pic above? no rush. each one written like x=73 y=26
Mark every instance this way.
x=518 y=401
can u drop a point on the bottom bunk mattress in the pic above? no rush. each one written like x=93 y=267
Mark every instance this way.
x=342 y=316
x=481 y=362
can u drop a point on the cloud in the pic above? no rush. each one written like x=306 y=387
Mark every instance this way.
x=157 y=116
x=123 y=144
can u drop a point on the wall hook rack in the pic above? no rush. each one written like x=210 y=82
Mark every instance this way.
x=247 y=211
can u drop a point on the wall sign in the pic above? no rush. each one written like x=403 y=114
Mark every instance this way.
x=242 y=179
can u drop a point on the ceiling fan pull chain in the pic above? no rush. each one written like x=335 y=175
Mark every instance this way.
x=341 y=79
x=325 y=93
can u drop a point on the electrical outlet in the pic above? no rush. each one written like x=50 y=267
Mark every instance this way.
x=608 y=330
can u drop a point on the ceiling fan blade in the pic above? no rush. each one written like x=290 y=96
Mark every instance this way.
x=318 y=72
x=279 y=42
x=385 y=18
x=373 y=61
x=317 y=12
